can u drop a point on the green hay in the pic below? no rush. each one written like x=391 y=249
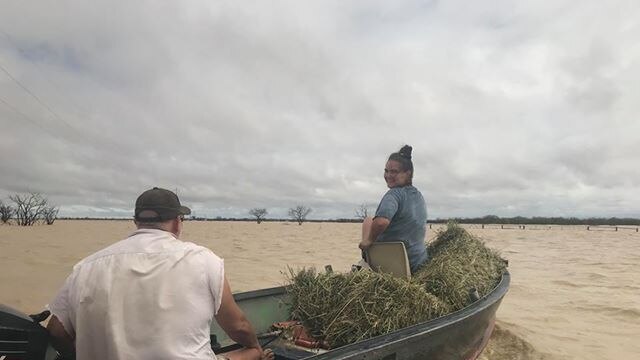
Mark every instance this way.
x=459 y=262
x=344 y=308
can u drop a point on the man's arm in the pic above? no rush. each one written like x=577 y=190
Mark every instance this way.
x=378 y=225
x=233 y=321
x=60 y=339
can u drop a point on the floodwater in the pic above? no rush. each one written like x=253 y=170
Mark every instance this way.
x=575 y=294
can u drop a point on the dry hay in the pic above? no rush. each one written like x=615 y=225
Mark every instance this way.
x=459 y=262
x=344 y=308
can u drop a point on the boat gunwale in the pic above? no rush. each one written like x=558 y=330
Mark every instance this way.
x=420 y=329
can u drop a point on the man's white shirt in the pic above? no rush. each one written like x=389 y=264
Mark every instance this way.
x=149 y=296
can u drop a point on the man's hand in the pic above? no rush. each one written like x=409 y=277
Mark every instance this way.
x=60 y=338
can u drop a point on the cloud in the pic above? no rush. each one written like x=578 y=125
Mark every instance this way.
x=512 y=109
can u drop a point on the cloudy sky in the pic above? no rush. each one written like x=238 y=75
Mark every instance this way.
x=512 y=107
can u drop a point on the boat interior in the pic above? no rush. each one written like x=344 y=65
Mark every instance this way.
x=267 y=310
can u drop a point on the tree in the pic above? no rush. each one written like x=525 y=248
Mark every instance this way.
x=50 y=214
x=299 y=213
x=258 y=213
x=28 y=208
x=362 y=211
x=6 y=212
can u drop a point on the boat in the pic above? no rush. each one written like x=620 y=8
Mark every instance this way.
x=459 y=335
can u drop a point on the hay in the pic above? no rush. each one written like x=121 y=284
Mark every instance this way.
x=460 y=262
x=341 y=309
x=344 y=308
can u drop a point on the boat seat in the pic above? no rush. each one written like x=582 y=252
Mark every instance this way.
x=389 y=257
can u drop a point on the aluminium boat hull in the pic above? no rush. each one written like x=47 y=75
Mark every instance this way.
x=459 y=335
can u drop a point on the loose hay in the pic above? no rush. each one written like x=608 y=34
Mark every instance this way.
x=460 y=262
x=344 y=308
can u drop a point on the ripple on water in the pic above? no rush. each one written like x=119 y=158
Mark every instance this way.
x=596 y=276
x=618 y=287
x=619 y=313
x=566 y=283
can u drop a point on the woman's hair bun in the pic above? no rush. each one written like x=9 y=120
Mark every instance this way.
x=405 y=152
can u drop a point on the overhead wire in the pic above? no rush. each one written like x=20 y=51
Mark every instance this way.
x=53 y=84
x=41 y=102
x=27 y=117
x=104 y=141
x=13 y=108
x=96 y=139
x=35 y=97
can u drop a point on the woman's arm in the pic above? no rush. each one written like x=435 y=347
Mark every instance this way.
x=378 y=225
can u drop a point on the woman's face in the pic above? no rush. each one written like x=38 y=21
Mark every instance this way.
x=394 y=176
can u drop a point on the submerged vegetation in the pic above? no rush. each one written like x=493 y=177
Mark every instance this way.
x=540 y=220
x=28 y=209
x=340 y=309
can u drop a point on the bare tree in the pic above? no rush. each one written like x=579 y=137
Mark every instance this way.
x=362 y=211
x=28 y=208
x=6 y=212
x=50 y=214
x=299 y=213
x=258 y=213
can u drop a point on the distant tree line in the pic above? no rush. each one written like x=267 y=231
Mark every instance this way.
x=542 y=220
x=518 y=220
x=32 y=208
x=27 y=210
x=218 y=218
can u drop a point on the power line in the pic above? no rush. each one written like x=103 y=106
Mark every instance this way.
x=81 y=135
x=13 y=108
x=96 y=139
x=35 y=97
x=55 y=115
x=79 y=109
x=27 y=117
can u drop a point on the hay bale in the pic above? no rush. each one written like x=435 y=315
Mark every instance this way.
x=344 y=308
x=459 y=262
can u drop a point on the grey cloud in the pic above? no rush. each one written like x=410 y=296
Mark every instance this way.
x=512 y=109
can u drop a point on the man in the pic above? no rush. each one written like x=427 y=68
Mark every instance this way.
x=150 y=296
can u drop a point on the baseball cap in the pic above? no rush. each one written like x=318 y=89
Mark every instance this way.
x=163 y=203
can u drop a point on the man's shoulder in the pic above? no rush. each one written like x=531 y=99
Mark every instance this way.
x=149 y=241
x=140 y=241
x=111 y=249
x=199 y=250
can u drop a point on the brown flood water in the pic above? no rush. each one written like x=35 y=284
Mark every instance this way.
x=575 y=294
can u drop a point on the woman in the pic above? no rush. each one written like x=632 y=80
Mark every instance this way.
x=402 y=212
